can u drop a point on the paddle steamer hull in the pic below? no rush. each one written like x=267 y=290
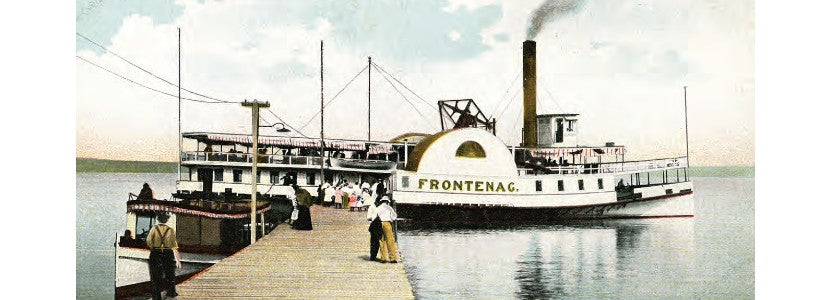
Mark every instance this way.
x=674 y=205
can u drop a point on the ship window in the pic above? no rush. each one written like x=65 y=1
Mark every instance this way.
x=470 y=149
x=405 y=181
x=275 y=176
x=143 y=223
x=581 y=184
x=561 y=185
x=571 y=125
x=538 y=185
x=237 y=175
x=599 y=183
x=218 y=175
x=309 y=178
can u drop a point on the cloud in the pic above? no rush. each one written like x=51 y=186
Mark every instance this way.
x=101 y=19
x=620 y=65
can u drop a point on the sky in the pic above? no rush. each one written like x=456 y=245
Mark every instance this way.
x=621 y=65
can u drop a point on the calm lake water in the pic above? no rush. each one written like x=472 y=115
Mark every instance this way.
x=709 y=256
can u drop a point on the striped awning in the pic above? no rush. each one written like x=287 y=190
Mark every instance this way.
x=179 y=211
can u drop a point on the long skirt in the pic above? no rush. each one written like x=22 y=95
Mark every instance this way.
x=303 y=218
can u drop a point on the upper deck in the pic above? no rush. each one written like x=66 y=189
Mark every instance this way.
x=377 y=157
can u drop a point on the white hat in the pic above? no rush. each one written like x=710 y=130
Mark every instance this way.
x=384 y=198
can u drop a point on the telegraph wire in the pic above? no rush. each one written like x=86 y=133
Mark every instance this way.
x=150 y=88
x=286 y=123
x=146 y=71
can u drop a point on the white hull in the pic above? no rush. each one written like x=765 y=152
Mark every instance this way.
x=132 y=268
x=451 y=208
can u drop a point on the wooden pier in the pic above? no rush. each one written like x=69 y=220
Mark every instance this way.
x=331 y=261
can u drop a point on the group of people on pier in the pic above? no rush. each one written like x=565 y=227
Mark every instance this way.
x=352 y=196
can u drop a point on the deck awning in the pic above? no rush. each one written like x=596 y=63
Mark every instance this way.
x=291 y=142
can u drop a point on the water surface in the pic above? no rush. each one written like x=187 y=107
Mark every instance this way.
x=709 y=256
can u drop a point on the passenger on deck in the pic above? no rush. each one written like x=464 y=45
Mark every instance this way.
x=146 y=193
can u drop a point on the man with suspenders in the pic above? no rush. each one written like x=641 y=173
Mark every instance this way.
x=164 y=257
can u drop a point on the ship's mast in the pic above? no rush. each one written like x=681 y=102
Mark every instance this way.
x=179 y=167
x=686 y=119
x=322 y=142
x=370 y=99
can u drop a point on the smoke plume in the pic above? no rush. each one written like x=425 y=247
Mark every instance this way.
x=548 y=12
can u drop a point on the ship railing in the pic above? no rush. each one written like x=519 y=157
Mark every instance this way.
x=613 y=167
x=279 y=159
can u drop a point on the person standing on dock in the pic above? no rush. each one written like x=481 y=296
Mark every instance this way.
x=164 y=257
x=375 y=234
x=303 y=221
x=387 y=215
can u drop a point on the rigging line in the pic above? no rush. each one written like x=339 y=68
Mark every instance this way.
x=508 y=104
x=551 y=96
x=147 y=87
x=504 y=97
x=286 y=123
x=554 y=99
x=403 y=85
x=146 y=71
x=402 y=95
x=335 y=96
x=519 y=116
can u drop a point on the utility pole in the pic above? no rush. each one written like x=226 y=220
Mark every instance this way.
x=255 y=106
x=370 y=99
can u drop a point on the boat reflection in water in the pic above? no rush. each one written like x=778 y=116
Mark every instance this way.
x=595 y=259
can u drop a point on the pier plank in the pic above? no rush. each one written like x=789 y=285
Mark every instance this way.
x=329 y=262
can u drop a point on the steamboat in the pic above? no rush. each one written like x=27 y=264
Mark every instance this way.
x=461 y=174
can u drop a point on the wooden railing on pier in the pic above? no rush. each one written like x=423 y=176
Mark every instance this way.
x=329 y=262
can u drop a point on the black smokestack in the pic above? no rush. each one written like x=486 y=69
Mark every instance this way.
x=529 y=84
x=548 y=12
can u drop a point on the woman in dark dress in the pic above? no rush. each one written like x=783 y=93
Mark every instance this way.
x=304 y=214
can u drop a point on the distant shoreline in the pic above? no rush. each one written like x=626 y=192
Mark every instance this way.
x=92 y=165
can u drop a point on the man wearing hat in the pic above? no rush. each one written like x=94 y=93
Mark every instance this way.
x=387 y=214
x=164 y=257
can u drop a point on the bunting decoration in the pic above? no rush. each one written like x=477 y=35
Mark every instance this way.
x=184 y=211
